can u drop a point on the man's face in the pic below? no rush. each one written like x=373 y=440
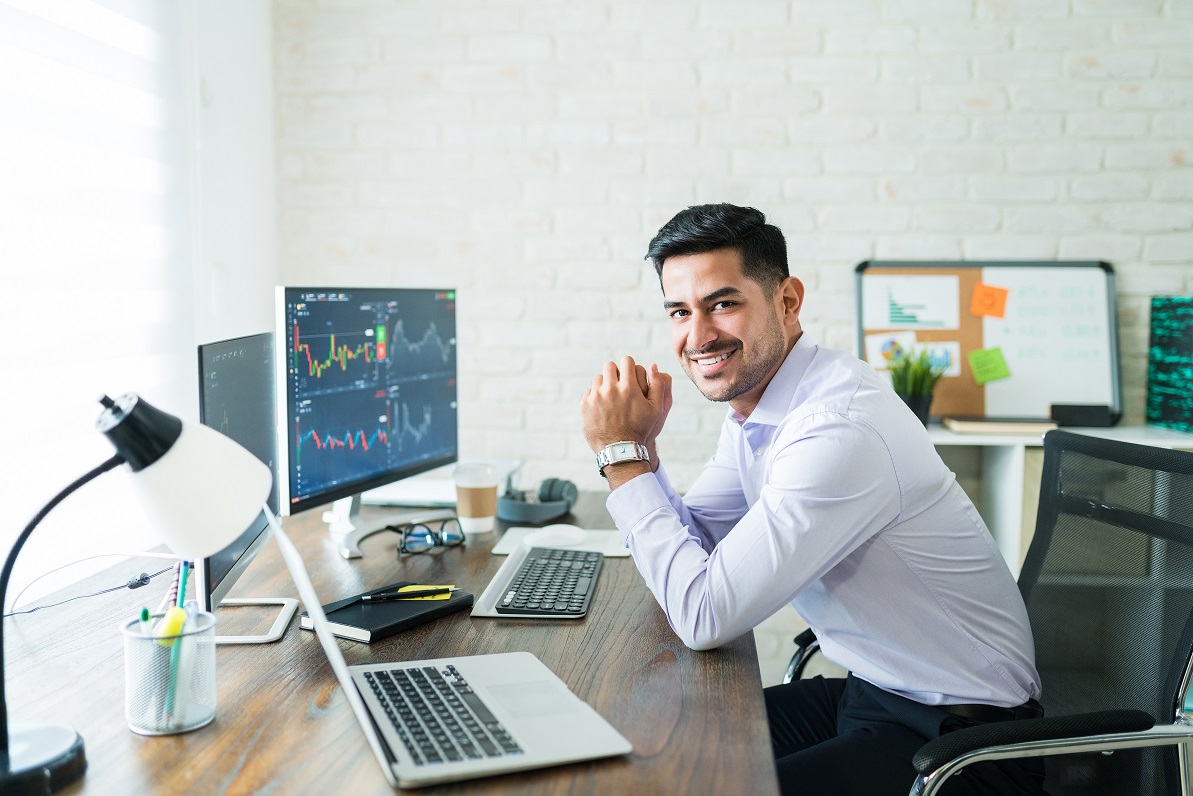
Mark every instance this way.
x=730 y=335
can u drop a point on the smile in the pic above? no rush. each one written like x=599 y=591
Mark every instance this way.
x=709 y=362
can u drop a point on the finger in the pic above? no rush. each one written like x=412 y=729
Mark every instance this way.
x=609 y=372
x=662 y=382
x=628 y=367
x=656 y=390
x=643 y=379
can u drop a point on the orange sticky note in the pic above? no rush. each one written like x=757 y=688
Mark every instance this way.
x=989 y=300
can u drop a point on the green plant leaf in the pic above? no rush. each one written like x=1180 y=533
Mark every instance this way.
x=914 y=374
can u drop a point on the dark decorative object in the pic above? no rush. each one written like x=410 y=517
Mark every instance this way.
x=1170 y=363
x=918 y=404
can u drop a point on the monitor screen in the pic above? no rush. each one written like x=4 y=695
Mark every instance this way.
x=236 y=398
x=368 y=377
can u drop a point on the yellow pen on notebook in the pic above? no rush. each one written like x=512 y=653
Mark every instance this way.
x=413 y=592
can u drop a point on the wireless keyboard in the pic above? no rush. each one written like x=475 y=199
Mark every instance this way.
x=552 y=582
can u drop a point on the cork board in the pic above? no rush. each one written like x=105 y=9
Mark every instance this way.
x=1016 y=337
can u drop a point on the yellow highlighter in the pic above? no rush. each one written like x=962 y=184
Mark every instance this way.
x=170 y=626
x=411 y=592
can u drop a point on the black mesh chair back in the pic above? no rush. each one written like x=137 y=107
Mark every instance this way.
x=1108 y=583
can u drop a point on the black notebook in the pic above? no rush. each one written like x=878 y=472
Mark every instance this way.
x=352 y=619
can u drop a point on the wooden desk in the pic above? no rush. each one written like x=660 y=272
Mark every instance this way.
x=696 y=719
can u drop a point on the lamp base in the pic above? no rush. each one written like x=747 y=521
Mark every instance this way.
x=43 y=758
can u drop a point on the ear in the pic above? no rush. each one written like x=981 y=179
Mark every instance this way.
x=789 y=298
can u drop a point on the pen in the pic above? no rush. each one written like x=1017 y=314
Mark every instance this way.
x=176 y=649
x=405 y=595
x=146 y=625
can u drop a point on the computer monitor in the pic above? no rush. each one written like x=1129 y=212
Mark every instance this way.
x=236 y=398
x=368 y=377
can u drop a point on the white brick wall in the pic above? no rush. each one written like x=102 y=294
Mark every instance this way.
x=525 y=152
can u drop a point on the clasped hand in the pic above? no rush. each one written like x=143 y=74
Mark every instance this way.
x=626 y=402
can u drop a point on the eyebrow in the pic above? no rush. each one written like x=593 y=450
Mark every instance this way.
x=711 y=297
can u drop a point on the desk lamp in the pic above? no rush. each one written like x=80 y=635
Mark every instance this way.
x=199 y=488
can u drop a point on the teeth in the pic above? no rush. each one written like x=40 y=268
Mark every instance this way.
x=713 y=360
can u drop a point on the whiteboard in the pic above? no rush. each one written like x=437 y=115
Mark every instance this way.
x=1053 y=324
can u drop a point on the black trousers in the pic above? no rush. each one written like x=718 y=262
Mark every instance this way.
x=846 y=736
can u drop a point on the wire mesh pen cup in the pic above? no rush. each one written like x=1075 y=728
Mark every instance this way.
x=169 y=682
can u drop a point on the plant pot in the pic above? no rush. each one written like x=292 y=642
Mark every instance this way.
x=919 y=404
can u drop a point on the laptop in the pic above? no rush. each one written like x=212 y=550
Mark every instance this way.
x=488 y=714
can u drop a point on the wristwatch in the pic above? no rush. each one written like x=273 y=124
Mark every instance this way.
x=624 y=451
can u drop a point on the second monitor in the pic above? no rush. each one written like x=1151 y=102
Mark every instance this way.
x=368 y=380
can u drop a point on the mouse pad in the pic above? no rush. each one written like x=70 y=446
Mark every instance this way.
x=607 y=542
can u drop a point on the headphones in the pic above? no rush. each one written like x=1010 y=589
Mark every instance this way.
x=554 y=498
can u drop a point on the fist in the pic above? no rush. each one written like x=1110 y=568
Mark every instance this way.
x=625 y=402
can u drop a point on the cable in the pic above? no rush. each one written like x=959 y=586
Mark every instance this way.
x=17 y=599
x=133 y=583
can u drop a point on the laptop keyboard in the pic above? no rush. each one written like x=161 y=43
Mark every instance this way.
x=552 y=582
x=438 y=716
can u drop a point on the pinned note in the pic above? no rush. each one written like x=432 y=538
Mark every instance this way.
x=988 y=365
x=989 y=300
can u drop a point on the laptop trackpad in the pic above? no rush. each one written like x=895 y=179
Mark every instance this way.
x=542 y=698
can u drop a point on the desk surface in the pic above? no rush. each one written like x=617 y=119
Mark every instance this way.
x=696 y=719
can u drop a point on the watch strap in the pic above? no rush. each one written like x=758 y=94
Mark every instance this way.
x=622 y=451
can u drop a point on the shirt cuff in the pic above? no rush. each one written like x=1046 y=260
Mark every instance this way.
x=636 y=499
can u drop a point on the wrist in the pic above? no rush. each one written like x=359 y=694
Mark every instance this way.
x=619 y=474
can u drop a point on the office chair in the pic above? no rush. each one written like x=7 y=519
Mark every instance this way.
x=1108 y=583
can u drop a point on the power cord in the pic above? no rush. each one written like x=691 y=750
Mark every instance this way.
x=132 y=583
x=15 y=601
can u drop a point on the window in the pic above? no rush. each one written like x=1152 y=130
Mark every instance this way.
x=96 y=256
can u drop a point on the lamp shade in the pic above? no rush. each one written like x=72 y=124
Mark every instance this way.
x=199 y=487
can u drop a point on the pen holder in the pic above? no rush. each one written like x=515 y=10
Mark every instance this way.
x=169 y=681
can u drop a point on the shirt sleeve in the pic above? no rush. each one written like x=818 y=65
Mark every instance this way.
x=830 y=486
x=716 y=500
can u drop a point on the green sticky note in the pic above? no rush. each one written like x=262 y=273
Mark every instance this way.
x=988 y=365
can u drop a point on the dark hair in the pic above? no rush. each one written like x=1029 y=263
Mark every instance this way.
x=706 y=228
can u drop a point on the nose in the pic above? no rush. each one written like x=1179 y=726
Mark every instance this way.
x=702 y=333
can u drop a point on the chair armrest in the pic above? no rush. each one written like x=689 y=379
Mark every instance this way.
x=950 y=746
x=806 y=645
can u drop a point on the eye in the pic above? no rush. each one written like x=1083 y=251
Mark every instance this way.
x=679 y=314
x=724 y=305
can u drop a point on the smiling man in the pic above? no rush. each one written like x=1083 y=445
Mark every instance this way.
x=824 y=493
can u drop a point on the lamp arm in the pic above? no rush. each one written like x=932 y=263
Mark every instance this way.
x=110 y=464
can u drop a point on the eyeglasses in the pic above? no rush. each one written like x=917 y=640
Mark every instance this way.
x=419 y=538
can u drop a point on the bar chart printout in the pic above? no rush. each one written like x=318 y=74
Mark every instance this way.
x=911 y=302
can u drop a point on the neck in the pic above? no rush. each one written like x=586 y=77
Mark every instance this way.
x=745 y=404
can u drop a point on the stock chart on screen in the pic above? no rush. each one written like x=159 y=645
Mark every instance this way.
x=370 y=387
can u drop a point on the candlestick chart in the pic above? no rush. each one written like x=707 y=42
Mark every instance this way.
x=371 y=386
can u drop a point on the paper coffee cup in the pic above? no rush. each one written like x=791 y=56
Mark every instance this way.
x=476 y=497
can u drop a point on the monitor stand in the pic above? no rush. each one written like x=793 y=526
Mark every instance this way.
x=289 y=608
x=346 y=525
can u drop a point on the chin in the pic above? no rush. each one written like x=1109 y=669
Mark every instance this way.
x=718 y=393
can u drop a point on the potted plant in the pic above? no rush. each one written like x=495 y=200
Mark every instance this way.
x=914 y=378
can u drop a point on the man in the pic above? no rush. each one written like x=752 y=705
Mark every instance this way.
x=826 y=494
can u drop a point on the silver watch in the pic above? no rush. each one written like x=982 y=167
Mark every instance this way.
x=624 y=451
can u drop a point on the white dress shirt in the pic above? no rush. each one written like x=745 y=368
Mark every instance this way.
x=831 y=498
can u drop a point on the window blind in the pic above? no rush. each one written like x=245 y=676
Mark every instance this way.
x=94 y=242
